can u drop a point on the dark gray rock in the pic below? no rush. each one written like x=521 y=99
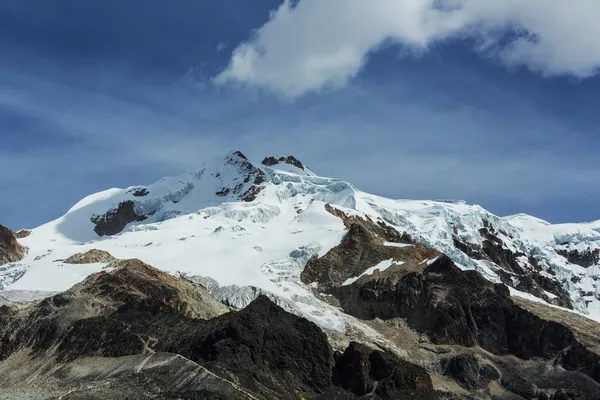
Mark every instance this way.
x=468 y=372
x=461 y=307
x=362 y=247
x=139 y=192
x=116 y=219
x=291 y=160
x=530 y=280
x=585 y=258
x=363 y=371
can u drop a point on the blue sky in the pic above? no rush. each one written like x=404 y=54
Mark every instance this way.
x=497 y=106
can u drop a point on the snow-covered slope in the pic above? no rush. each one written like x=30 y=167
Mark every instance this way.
x=244 y=228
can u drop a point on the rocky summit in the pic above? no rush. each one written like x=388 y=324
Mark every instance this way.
x=264 y=280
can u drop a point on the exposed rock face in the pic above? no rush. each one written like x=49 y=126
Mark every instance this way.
x=260 y=352
x=240 y=155
x=462 y=308
x=584 y=258
x=529 y=277
x=139 y=192
x=250 y=174
x=270 y=161
x=23 y=233
x=460 y=313
x=456 y=307
x=10 y=249
x=364 y=246
x=115 y=220
x=363 y=371
x=470 y=373
x=90 y=257
x=291 y=160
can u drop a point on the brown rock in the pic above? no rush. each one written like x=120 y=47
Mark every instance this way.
x=363 y=247
x=90 y=257
x=10 y=249
x=23 y=233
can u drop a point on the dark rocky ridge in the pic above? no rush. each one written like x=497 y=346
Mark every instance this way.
x=470 y=372
x=10 y=249
x=585 y=258
x=530 y=279
x=115 y=220
x=364 y=371
x=139 y=192
x=291 y=160
x=250 y=174
x=263 y=351
x=362 y=247
x=460 y=308
x=455 y=307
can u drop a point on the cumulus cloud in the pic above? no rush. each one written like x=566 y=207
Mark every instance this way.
x=314 y=44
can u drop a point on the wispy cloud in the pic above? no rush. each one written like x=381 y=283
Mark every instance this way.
x=108 y=129
x=313 y=45
x=221 y=46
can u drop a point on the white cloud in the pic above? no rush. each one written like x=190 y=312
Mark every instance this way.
x=221 y=46
x=85 y=136
x=317 y=44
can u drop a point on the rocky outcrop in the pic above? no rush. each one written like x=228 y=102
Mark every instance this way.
x=10 y=249
x=585 y=258
x=458 y=313
x=116 y=219
x=365 y=245
x=469 y=372
x=252 y=179
x=529 y=278
x=130 y=283
x=364 y=371
x=23 y=233
x=291 y=160
x=90 y=257
x=538 y=285
x=270 y=161
x=139 y=192
x=456 y=307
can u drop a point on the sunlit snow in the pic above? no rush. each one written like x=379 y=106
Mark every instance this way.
x=264 y=244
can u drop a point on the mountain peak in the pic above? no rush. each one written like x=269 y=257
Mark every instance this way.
x=319 y=248
x=290 y=160
x=239 y=154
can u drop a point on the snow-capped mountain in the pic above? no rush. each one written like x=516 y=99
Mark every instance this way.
x=243 y=229
x=264 y=280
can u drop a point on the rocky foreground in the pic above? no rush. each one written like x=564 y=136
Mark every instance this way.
x=135 y=332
